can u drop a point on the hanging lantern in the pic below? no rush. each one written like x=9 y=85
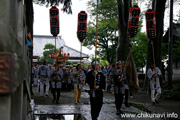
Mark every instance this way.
x=133 y=22
x=82 y=25
x=54 y=21
x=150 y=24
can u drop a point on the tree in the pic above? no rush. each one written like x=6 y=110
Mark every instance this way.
x=123 y=10
x=159 y=7
x=107 y=29
x=124 y=43
x=139 y=50
x=123 y=39
x=49 y=49
x=66 y=4
x=176 y=50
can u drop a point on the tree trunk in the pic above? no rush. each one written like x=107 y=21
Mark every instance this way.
x=159 y=7
x=176 y=62
x=108 y=55
x=123 y=39
x=123 y=48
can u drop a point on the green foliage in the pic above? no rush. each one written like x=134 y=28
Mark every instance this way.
x=66 y=4
x=173 y=94
x=107 y=29
x=164 y=51
x=41 y=59
x=176 y=49
x=68 y=63
x=48 y=49
x=139 y=49
x=103 y=62
x=107 y=9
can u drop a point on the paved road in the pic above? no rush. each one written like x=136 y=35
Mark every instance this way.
x=45 y=106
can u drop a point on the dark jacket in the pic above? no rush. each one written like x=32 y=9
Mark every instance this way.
x=119 y=85
x=100 y=80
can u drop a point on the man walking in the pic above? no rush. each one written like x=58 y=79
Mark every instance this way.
x=43 y=73
x=119 y=76
x=96 y=90
x=153 y=74
x=56 y=83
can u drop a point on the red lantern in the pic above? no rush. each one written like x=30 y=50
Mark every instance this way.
x=54 y=21
x=133 y=22
x=82 y=25
x=150 y=24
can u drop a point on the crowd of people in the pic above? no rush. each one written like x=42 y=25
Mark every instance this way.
x=69 y=79
x=112 y=79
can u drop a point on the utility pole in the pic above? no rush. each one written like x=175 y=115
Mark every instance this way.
x=170 y=62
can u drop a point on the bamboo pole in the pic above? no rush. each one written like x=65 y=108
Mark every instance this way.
x=153 y=52
x=56 y=58
x=96 y=46
x=80 y=52
x=80 y=58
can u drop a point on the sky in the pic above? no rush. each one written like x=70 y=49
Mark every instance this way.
x=68 y=23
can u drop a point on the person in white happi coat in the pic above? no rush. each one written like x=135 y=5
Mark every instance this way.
x=43 y=73
x=153 y=74
x=79 y=79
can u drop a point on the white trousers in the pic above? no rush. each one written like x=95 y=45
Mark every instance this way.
x=42 y=83
x=155 y=96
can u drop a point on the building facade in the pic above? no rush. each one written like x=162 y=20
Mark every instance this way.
x=15 y=59
x=41 y=40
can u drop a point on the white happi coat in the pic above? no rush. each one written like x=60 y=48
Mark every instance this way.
x=154 y=81
x=78 y=84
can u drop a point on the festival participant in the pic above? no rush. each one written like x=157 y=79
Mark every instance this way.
x=56 y=77
x=79 y=78
x=43 y=73
x=153 y=74
x=119 y=77
x=96 y=90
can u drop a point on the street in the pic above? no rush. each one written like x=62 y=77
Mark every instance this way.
x=67 y=108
